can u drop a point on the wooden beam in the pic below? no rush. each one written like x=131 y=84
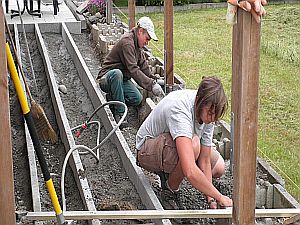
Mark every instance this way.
x=245 y=82
x=293 y=219
x=109 y=11
x=168 y=43
x=7 y=199
x=159 y=214
x=131 y=14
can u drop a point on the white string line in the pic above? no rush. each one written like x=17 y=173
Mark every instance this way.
x=295 y=185
x=181 y=74
x=119 y=10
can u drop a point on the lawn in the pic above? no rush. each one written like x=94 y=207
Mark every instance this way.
x=202 y=46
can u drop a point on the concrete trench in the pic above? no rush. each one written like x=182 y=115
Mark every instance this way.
x=64 y=64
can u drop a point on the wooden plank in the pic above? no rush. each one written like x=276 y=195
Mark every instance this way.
x=168 y=45
x=273 y=176
x=83 y=7
x=109 y=11
x=131 y=14
x=7 y=199
x=283 y=199
x=160 y=214
x=291 y=220
x=245 y=80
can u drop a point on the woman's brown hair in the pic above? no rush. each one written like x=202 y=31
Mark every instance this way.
x=211 y=93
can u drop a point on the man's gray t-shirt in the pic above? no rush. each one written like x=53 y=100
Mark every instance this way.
x=175 y=114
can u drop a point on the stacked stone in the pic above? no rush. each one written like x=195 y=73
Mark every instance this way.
x=106 y=35
x=157 y=67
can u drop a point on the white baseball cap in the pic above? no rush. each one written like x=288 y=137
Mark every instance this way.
x=146 y=23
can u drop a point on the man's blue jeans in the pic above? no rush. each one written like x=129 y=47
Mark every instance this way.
x=124 y=91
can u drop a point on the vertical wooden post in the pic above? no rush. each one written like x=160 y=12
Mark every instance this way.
x=245 y=83
x=131 y=14
x=7 y=199
x=108 y=11
x=168 y=43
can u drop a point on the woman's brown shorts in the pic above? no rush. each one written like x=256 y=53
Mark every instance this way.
x=160 y=154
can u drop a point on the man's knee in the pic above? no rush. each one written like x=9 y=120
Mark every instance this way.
x=137 y=99
x=132 y=94
x=115 y=75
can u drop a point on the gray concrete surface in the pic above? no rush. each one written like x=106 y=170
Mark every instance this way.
x=47 y=13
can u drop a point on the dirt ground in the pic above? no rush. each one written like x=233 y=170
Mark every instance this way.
x=111 y=187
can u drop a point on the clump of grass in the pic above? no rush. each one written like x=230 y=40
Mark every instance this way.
x=277 y=48
x=280 y=36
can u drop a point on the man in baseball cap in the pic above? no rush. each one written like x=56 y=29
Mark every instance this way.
x=146 y=23
x=127 y=61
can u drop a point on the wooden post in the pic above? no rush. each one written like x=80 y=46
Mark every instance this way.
x=131 y=14
x=245 y=82
x=168 y=44
x=7 y=199
x=108 y=11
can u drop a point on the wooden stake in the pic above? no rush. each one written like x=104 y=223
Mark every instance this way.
x=168 y=45
x=245 y=82
x=7 y=199
x=109 y=12
x=131 y=14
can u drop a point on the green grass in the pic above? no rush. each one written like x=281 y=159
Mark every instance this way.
x=121 y=3
x=202 y=46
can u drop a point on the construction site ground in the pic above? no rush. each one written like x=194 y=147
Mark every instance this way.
x=110 y=185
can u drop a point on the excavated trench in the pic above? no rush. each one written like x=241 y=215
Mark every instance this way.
x=110 y=185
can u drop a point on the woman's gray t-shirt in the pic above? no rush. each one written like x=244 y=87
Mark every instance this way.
x=175 y=114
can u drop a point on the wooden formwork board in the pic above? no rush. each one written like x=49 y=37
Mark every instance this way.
x=282 y=199
x=77 y=15
x=159 y=214
x=48 y=27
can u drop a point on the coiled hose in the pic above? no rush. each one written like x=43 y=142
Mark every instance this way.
x=88 y=150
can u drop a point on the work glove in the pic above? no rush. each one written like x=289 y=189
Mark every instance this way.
x=157 y=90
x=156 y=76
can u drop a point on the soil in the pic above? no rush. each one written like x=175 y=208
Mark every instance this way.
x=110 y=186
